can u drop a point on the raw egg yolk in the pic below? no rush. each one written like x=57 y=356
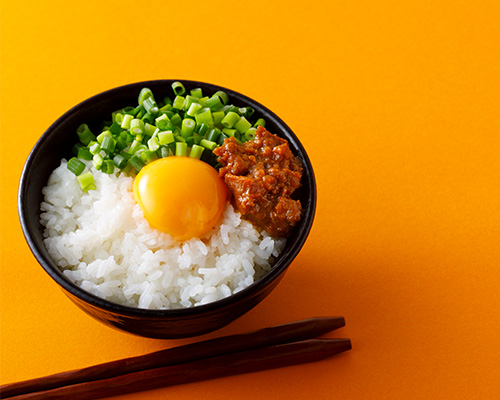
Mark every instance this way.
x=182 y=196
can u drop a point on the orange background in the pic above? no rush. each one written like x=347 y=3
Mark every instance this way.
x=398 y=106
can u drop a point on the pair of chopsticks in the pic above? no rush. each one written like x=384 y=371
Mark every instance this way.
x=273 y=347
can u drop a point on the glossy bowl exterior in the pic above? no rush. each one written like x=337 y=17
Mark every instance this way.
x=57 y=143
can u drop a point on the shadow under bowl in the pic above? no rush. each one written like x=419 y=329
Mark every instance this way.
x=57 y=143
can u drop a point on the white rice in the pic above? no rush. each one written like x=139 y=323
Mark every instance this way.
x=102 y=243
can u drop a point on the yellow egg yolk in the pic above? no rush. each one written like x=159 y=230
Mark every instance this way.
x=182 y=196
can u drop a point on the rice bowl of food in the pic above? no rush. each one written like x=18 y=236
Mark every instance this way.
x=167 y=208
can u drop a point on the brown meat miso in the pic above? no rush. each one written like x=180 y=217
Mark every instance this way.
x=261 y=175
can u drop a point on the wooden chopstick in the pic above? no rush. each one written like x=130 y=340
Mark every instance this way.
x=207 y=368
x=235 y=354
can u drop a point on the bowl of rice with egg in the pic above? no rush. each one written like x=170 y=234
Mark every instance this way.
x=149 y=224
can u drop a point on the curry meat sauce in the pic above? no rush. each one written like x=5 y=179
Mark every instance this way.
x=261 y=175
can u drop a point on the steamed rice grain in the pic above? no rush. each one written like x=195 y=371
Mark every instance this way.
x=102 y=243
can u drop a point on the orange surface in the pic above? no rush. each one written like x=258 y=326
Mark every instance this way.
x=397 y=104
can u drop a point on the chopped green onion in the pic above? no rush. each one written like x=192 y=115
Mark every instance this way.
x=76 y=147
x=166 y=137
x=164 y=151
x=182 y=124
x=221 y=138
x=178 y=88
x=250 y=134
x=197 y=92
x=208 y=144
x=178 y=102
x=180 y=149
x=148 y=156
x=204 y=116
x=149 y=129
x=246 y=112
x=115 y=128
x=94 y=148
x=166 y=108
x=213 y=134
x=153 y=144
x=223 y=96
x=196 y=151
x=121 y=143
x=108 y=167
x=140 y=149
x=102 y=135
x=141 y=112
x=136 y=162
x=242 y=125
x=84 y=153
x=120 y=161
x=193 y=108
x=231 y=108
x=97 y=161
x=197 y=137
x=118 y=117
x=127 y=118
x=129 y=169
x=178 y=137
x=149 y=118
x=188 y=101
x=84 y=134
x=187 y=127
x=230 y=119
x=86 y=181
x=202 y=129
x=144 y=94
x=218 y=116
x=230 y=132
x=163 y=122
x=76 y=166
x=150 y=106
x=176 y=120
x=129 y=110
x=136 y=127
x=108 y=144
x=260 y=122
x=134 y=146
x=214 y=103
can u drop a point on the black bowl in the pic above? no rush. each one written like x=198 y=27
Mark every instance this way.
x=57 y=142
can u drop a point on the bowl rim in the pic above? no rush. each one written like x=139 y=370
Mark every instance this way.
x=282 y=263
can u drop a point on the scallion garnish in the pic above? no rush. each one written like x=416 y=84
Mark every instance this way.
x=127 y=118
x=136 y=127
x=178 y=88
x=180 y=148
x=242 y=125
x=84 y=154
x=223 y=96
x=108 y=144
x=86 y=181
x=136 y=162
x=85 y=135
x=187 y=128
x=76 y=166
x=184 y=124
x=196 y=151
x=108 y=167
x=120 y=161
x=230 y=119
x=178 y=102
x=260 y=122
